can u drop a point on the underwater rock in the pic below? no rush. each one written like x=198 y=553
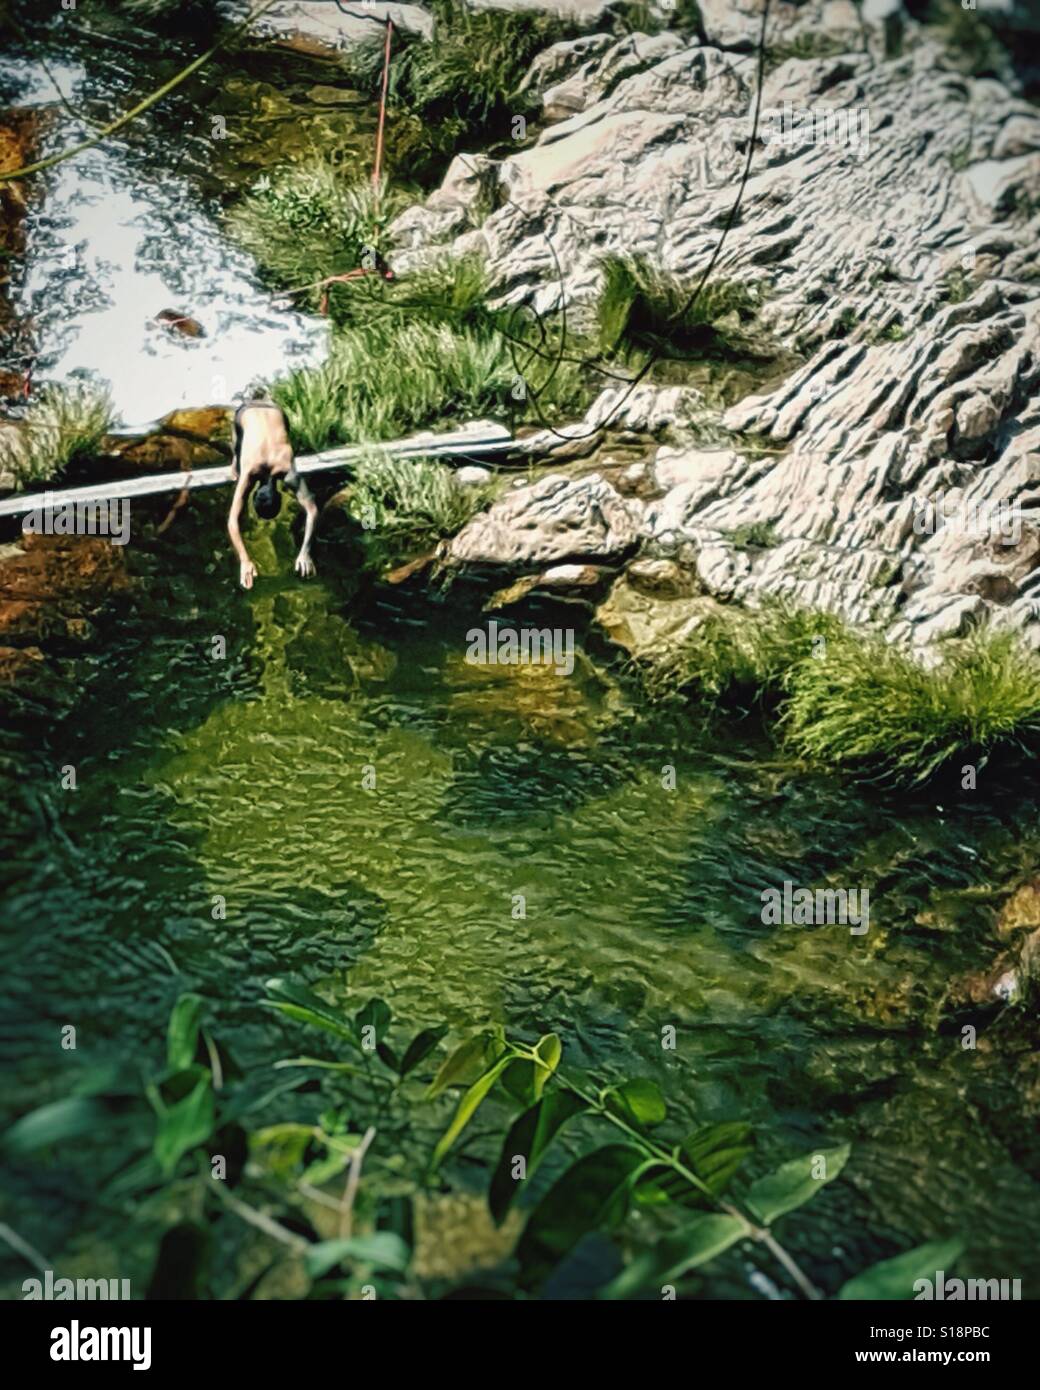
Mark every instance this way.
x=1021 y=912
x=51 y=588
x=647 y=625
x=176 y=322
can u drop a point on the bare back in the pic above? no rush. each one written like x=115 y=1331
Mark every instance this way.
x=262 y=441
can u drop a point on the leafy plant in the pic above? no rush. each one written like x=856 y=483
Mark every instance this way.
x=212 y=1165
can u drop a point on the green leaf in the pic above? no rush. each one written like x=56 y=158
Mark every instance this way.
x=420 y=1046
x=182 y=1034
x=895 y=1278
x=467 y=1108
x=714 y=1153
x=467 y=1063
x=592 y=1195
x=529 y=1136
x=383 y=1249
x=638 y=1101
x=305 y=1007
x=793 y=1183
x=549 y=1050
x=189 y=1121
x=55 y=1123
x=676 y=1254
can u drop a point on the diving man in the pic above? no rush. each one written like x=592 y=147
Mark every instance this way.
x=263 y=459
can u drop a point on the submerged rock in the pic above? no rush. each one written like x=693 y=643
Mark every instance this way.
x=647 y=625
x=176 y=322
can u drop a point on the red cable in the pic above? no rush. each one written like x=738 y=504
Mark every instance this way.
x=382 y=107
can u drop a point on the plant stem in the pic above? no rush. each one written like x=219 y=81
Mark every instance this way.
x=669 y=1160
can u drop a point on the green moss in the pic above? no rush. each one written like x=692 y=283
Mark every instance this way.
x=756 y=535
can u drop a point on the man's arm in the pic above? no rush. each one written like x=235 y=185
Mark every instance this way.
x=304 y=563
x=246 y=568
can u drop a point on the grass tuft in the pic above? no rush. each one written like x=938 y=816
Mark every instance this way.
x=63 y=424
x=307 y=221
x=851 y=701
x=869 y=704
x=644 y=308
x=405 y=506
x=461 y=85
x=381 y=381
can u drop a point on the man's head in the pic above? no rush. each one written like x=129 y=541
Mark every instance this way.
x=267 y=501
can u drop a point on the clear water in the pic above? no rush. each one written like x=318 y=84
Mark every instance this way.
x=242 y=777
x=116 y=239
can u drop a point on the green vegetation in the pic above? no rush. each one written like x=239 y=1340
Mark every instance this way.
x=869 y=705
x=460 y=87
x=63 y=424
x=970 y=42
x=405 y=506
x=308 y=221
x=414 y=351
x=645 y=309
x=755 y=535
x=849 y=700
x=244 y=1185
x=680 y=16
x=735 y=655
x=382 y=381
x=808 y=45
x=956 y=286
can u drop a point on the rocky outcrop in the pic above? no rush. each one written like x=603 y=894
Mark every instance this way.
x=892 y=238
x=324 y=30
x=555 y=521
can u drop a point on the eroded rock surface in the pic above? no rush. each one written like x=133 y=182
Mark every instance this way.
x=897 y=257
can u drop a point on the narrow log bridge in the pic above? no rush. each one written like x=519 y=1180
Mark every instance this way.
x=477 y=441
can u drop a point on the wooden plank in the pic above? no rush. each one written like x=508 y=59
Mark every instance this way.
x=481 y=439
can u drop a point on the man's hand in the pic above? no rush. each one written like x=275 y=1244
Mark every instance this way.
x=304 y=566
x=246 y=574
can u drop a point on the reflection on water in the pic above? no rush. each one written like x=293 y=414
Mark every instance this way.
x=115 y=241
